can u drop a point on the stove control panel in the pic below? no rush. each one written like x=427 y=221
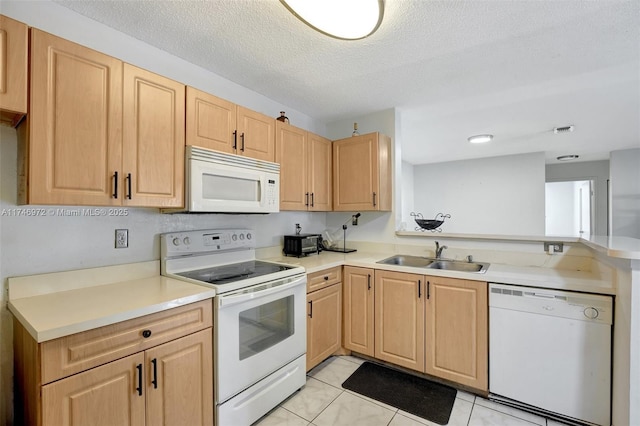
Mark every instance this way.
x=205 y=241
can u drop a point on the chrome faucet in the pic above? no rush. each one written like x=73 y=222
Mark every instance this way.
x=439 y=250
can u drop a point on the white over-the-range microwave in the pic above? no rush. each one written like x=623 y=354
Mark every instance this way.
x=224 y=183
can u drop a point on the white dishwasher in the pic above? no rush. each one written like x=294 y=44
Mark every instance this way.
x=551 y=350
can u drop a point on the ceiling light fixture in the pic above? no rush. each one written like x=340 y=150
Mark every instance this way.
x=568 y=157
x=480 y=138
x=565 y=129
x=345 y=20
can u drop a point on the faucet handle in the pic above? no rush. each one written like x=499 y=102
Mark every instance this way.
x=469 y=258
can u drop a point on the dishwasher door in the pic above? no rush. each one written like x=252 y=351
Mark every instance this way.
x=552 y=350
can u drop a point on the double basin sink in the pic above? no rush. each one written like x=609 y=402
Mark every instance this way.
x=433 y=263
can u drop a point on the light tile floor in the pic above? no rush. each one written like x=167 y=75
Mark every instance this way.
x=323 y=402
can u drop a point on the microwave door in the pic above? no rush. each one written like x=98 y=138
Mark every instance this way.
x=223 y=188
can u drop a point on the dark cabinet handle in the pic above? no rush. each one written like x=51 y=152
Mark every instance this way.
x=235 y=139
x=139 y=388
x=368 y=281
x=115 y=185
x=419 y=293
x=129 y=185
x=154 y=382
x=306 y=198
x=242 y=140
x=428 y=289
x=146 y=333
x=310 y=308
x=326 y=277
x=312 y=199
x=374 y=199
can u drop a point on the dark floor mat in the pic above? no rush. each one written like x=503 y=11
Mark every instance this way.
x=415 y=395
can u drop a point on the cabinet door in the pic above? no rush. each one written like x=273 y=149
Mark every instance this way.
x=256 y=135
x=153 y=139
x=180 y=381
x=319 y=173
x=355 y=173
x=13 y=70
x=291 y=153
x=324 y=323
x=75 y=118
x=106 y=395
x=457 y=331
x=211 y=122
x=399 y=319
x=358 y=309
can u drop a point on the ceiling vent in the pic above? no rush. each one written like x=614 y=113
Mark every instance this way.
x=566 y=129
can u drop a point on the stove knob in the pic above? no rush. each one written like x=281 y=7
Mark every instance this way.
x=242 y=236
x=176 y=242
x=591 y=313
x=248 y=236
x=186 y=241
x=234 y=237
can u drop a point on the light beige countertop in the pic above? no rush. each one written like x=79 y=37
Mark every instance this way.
x=72 y=302
x=552 y=278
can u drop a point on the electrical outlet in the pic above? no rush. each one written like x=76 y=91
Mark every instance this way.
x=122 y=238
x=556 y=247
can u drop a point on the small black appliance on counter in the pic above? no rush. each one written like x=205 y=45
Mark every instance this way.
x=302 y=244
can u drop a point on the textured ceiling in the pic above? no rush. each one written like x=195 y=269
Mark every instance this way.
x=452 y=68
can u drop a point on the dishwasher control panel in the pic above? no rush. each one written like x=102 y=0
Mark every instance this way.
x=557 y=303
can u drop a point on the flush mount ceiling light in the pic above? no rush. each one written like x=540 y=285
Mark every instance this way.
x=346 y=20
x=565 y=129
x=568 y=157
x=480 y=138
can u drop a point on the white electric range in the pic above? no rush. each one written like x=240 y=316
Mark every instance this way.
x=259 y=318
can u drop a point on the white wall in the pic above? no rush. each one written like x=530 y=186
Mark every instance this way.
x=497 y=195
x=407 y=193
x=560 y=208
x=598 y=171
x=625 y=193
x=30 y=245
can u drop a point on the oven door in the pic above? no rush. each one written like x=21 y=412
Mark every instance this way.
x=258 y=331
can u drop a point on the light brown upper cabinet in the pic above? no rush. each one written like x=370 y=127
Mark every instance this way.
x=13 y=70
x=362 y=173
x=73 y=132
x=76 y=146
x=217 y=124
x=153 y=139
x=305 y=169
x=457 y=340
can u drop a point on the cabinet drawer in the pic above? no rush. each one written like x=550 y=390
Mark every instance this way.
x=322 y=279
x=81 y=351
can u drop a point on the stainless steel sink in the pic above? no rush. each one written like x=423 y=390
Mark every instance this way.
x=405 y=260
x=454 y=265
x=431 y=263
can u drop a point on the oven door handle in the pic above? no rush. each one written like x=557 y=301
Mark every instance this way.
x=243 y=296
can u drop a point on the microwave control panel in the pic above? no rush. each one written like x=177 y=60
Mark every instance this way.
x=273 y=192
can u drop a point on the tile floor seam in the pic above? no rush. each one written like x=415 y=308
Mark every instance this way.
x=510 y=415
x=328 y=405
x=302 y=418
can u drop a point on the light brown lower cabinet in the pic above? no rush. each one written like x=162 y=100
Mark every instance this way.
x=429 y=324
x=324 y=315
x=358 y=310
x=324 y=323
x=457 y=337
x=162 y=380
x=399 y=319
